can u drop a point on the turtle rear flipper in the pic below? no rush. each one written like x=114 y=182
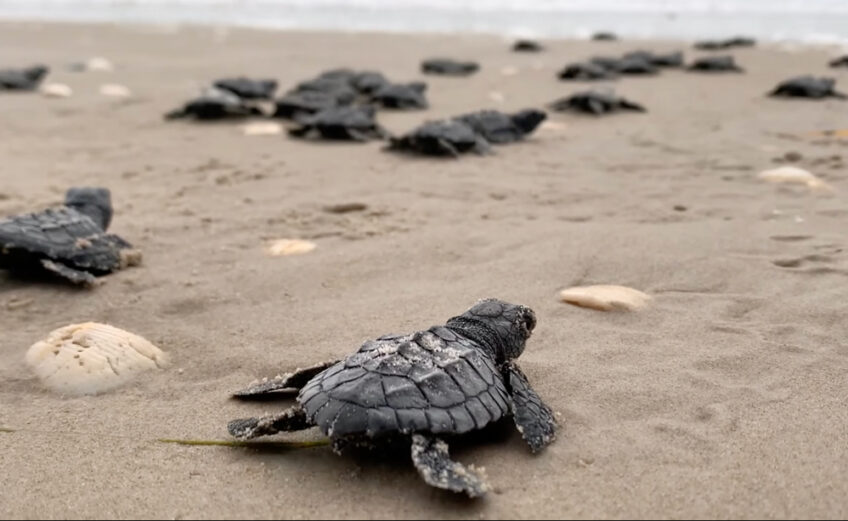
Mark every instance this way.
x=431 y=459
x=82 y=278
x=293 y=419
x=534 y=420
x=629 y=105
x=289 y=383
x=176 y=114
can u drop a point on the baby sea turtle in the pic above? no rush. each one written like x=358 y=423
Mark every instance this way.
x=715 y=64
x=586 y=72
x=672 y=59
x=351 y=123
x=635 y=66
x=296 y=104
x=418 y=388
x=69 y=241
x=449 y=67
x=840 y=62
x=401 y=96
x=595 y=102
x=247 y=88
x=215 y=104
x=368 y=82
x=525 y=45
x=807 y=87
x=22 y=79
x=604 y=36
x=499 y=128
x=449 y=137
x=729 y=43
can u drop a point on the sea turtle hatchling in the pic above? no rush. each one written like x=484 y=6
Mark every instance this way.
x=403 y=96
x=296 y=104
x=671 y=59
x=419 y=388
x=351 y=123
x=447 y=137
x=526 y=45
x=715 y=64
x=449 y=67
x=69 y=241
x=807 y=87
x=499 y=128
x=842 y=61
x=588 y=71
x=247 y=88
x=22 y=79
x=215 y=104
x=595 y=102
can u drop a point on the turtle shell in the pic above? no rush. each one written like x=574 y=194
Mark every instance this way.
x=435 y=381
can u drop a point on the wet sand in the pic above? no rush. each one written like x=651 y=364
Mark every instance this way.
x=724 y=398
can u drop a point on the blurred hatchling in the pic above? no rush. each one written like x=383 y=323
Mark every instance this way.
x=419 y=389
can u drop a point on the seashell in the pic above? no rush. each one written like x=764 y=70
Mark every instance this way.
x=91 y=358
x=793 y=175
x=553 y=126
x=284 y=247
x=497 y=97
x=56 y=90
x=509 y=71
x=99 y=64
x=605 y=297
x=262 y=128
x=115 y=90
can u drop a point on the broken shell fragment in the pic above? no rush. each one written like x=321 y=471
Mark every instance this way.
x=262 y=128
x=56 y=90
x=605 y=297
x=283 y=247
x=99 y=64
x=91 y=358
x=793 y=175
x=114 y=90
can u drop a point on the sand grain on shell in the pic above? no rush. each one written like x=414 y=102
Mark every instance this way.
x=91 y=358
x=605 y=297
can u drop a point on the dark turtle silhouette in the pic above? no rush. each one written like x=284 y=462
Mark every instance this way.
x=69 y=241
x=729 y=43
x=840 y=62
x=524 y=45
x=247 y=88
x=342 y=74
x=499 y=128
x=401 y=96
x=672 y=59
x=595 y=102
x=350 y=123
x=368 y=82
x=807 y=87
x=604 y=36
x=449 y=137
x=635 y=66
x=419 y=388
x=215 y=104
x=607 y=62
x=449 y=67
x=586 y=72
x=339 y=86
x=715 y=64
x=22 y=79
x=296 y=104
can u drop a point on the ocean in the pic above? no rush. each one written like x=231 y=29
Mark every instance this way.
x=820 y=21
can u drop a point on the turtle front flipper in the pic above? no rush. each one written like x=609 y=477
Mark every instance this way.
x=534 y=419
x=82 y=278
x=289 y=383
x=293 y=419
x=431 y=459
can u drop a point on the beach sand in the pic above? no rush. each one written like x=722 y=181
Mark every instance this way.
x=726 y=397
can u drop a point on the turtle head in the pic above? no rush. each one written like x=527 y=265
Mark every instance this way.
x=36 y=73
x=501 y=327
x=528 y=120
x=93 y=202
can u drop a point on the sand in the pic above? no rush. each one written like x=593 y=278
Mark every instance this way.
x=724 y=398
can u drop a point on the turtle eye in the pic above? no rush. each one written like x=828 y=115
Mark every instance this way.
x=528 y=319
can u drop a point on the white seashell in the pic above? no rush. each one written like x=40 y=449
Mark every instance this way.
x=262 y=128
x=115 y=90
x=283 y=247
x=56 y=90
x=99 y=64
x=91 y=358
x=605 y=297
x=553 y=126
x=509 y=71
x=793 y=175
x=497 y=97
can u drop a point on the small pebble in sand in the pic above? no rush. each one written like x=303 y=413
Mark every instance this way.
x=509 y=71
x=497 y=97
x=56 y=90
x=680 y=208
x=793 y=157
x=115 y=90
x=605 y=297
x=262 y=128
x=346 y=208
x=91 y=358
x=793 y=175
x=284 y=247
x=99 y=64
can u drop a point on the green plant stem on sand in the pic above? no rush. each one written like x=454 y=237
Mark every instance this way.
x=287 y=445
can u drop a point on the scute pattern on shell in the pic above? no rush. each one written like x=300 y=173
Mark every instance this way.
x=434 y=381
x=91 y=358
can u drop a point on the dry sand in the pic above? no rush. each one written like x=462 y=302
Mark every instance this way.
x=725 y=398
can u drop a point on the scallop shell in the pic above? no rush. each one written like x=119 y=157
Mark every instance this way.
x=793 y=175
x=91 y=358
x=115 y=90
x=56 y=90
x=605 y=297
x=262 y=128
x=284 y=247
